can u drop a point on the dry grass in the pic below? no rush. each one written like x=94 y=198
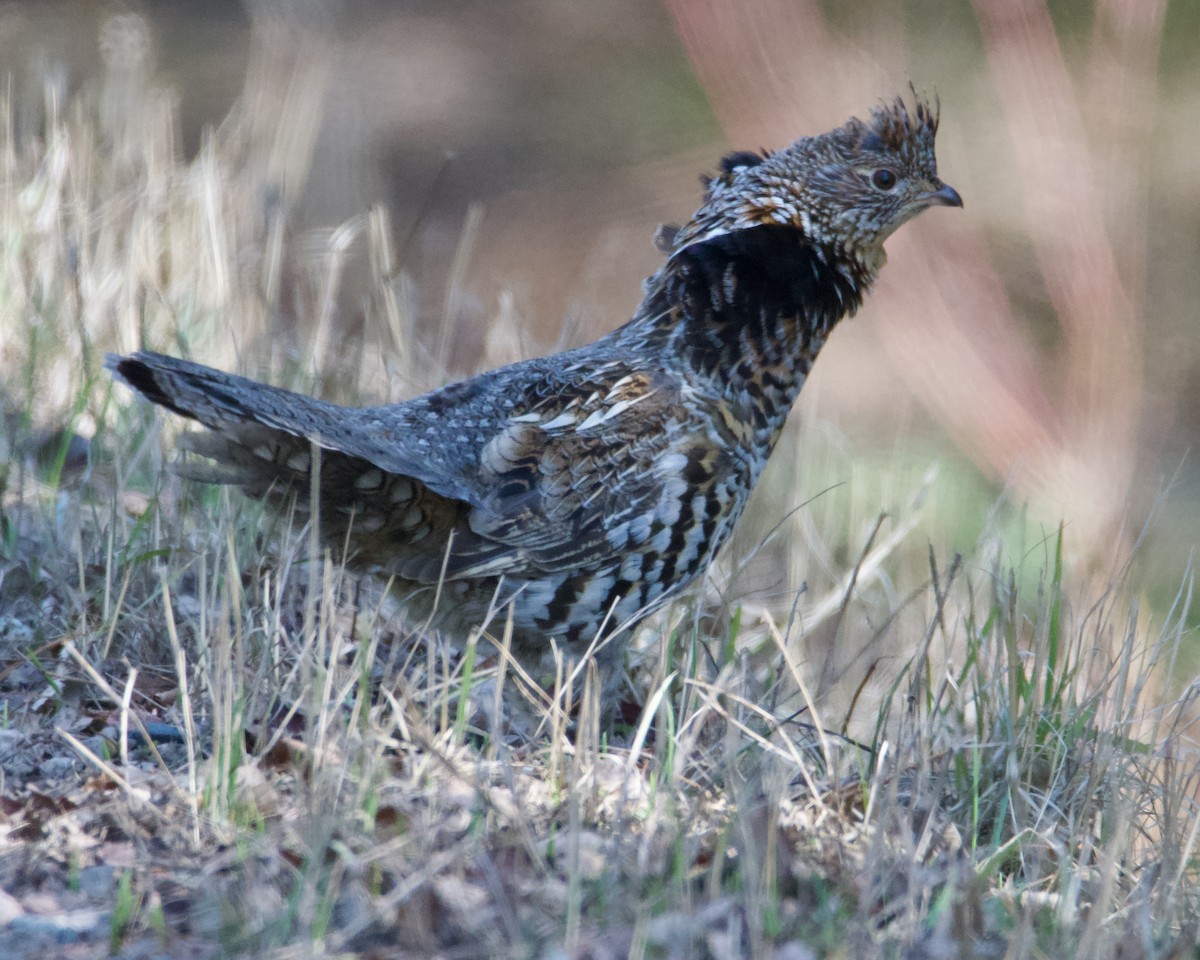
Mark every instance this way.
x=215 y=744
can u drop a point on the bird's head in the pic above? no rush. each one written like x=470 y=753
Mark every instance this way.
x=847 y=189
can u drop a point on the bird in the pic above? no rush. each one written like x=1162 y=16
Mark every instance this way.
x=576 y=493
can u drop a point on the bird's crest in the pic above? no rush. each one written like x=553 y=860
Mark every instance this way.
x=896 y=129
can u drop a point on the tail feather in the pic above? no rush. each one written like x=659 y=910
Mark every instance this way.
x=261 y=435
x=263 y=462
x=269 y=441
x=217 y=399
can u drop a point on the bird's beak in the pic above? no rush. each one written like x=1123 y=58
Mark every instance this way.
x=945 y=196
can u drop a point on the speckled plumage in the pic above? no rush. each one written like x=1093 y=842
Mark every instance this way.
x=584 y=487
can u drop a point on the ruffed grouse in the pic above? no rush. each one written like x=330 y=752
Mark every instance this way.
x=584 y=487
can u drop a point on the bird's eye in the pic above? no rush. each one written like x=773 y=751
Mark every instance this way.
x=883 y=179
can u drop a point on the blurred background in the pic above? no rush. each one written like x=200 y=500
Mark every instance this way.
x=1034 y=358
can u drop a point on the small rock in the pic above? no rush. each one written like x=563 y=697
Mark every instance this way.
x=61 y=928
x=10 y=908
x=57 y=767
x=96 y=882
x=794 y=951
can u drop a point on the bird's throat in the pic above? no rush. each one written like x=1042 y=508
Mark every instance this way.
x=749 y=310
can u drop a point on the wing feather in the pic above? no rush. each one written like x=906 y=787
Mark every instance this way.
x=494 y=476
